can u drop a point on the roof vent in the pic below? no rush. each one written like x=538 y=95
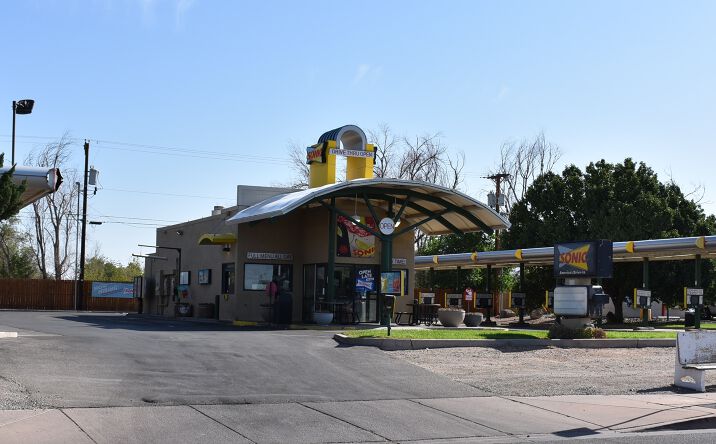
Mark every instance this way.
x=217 y=210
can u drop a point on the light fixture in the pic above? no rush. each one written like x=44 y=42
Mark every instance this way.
x=19 y=107
x=227 y=247
x=180 y=232
x=397 y=224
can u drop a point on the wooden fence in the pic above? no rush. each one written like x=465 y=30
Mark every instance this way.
x=41 y=294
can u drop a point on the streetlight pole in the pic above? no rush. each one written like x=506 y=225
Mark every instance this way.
x=19 y=107
x=14 y=108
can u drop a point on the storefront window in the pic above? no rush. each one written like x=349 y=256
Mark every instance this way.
x=257 y=276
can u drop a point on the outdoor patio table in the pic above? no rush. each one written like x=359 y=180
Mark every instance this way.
x=425 y=313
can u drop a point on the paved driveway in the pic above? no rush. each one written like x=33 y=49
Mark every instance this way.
x=67 y=359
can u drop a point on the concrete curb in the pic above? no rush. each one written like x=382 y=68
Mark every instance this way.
x=8 y=334
x=389 y=344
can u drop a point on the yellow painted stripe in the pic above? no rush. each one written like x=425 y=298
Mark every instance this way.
x=634 y=300
x=701 y=242
x=245 y=323
x=630 y=247
x=685 y=303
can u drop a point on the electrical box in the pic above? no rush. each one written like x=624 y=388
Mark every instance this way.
x=642 y=298
x=519 y=300
x=484 y=300
x=693 y=297
x=454 y=300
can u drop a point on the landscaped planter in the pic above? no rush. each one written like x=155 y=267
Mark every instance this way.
x=474 y=319
x=450 y=317
x=322 y=318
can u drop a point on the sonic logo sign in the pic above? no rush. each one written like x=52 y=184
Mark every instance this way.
x=583 y=259
x=315 y=153
x=576 y=258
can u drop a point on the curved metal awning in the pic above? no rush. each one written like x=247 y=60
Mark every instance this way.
x=217 y=239
x=681 y=248
x=441 y=210
x=39 y=181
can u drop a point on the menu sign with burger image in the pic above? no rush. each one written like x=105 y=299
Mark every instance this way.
x=354 y=241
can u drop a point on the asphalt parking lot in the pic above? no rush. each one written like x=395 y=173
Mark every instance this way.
x=105 y=378
x=67 y=359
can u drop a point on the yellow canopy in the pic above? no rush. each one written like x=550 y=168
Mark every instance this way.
x=217 y=239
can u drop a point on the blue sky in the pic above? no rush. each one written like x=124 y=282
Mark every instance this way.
x=601 y=79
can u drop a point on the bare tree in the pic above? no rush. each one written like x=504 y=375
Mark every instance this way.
x=297 y=155
x=524 y=161
x=385 y=142
x=54 y=222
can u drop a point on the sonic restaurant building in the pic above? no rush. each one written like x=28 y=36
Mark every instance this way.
x=332 y=248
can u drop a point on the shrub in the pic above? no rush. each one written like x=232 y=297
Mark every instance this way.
x=558 y=331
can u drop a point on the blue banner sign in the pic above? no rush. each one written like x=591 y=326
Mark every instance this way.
x=112 y=290
x=365 y=281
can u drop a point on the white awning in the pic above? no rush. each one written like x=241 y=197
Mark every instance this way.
x=454 y=210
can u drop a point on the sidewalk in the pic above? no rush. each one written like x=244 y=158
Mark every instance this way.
x=491 y=419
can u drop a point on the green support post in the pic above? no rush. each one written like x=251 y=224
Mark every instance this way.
x=645 y=285
x=522 y=290
x=386 y=264
x=697 y=284
x=330 y=269
x=489 y=291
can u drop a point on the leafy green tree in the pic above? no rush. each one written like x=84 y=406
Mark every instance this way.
x=16 y=256
x=473 y=277
x=9 y=193
x=99 y=268
x=621 y=202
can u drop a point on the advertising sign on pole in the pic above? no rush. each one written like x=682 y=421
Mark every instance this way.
x=583 y=259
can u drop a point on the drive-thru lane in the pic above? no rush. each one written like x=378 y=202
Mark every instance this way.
x=67 y=359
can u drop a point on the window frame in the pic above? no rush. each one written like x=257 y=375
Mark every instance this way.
x=273 y=271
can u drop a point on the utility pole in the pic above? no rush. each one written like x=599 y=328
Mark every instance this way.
x=77 y=242
x=81 y=283
x=498 y=191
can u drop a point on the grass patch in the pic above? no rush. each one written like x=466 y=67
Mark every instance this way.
x=704 y=325
x=491 y=334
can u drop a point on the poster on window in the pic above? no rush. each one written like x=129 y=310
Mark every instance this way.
x=354 y=241
x=365 y=282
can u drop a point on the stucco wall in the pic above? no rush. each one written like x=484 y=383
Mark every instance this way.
x=303 y=233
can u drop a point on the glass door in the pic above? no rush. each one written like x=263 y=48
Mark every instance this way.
x=366 y=293
x=314 y=289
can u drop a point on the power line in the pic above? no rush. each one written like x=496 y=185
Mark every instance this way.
x=121 y=190
x=173 y=151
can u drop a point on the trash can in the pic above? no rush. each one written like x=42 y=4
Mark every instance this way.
x=689 y=319
x=205 y=310
x=285 y=308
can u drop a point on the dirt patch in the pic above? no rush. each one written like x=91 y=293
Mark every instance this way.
x=528 y=371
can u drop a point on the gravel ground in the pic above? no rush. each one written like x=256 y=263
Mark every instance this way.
x=529 y=371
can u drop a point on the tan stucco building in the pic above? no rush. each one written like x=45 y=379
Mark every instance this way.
x=333 y=248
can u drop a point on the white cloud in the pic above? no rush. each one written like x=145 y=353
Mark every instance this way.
x=503 y=93
x=365 y=72
x=182 y=7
